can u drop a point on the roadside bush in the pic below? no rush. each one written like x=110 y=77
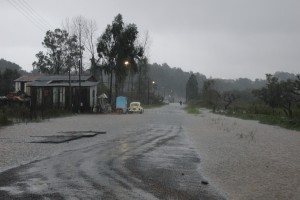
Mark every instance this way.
x=192 y=107
x=101 y=88
x=157 y=99
x=296 y=113
x=3 y=119
x=17 y=113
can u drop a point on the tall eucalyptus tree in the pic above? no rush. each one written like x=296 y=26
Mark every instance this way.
x=116 y=45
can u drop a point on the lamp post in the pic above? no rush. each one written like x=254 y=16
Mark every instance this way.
x=153 y=82
x=153 y=86
x=148 y=90
x=79 y=84
x=80 y=70
x=70 y=89
x=126 y=63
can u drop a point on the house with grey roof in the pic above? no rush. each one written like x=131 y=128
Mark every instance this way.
x=60 y=91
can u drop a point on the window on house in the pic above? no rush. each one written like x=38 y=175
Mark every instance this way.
x=18 y=86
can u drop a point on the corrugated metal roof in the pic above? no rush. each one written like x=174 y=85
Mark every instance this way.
x=64 y=78
x=44 y=78
x=28 y=78
x=58 y=80
x=62 y=84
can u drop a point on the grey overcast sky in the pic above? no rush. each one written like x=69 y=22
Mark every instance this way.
x=218 y=38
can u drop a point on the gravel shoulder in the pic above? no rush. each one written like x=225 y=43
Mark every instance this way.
x=246 y=159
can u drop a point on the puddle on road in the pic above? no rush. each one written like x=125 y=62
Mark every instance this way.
x=65 y=136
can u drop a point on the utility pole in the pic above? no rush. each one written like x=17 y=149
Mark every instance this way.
x=80 y=69
x=110 y=85
x=70 y=88
x=139 y=88
x=148 y=90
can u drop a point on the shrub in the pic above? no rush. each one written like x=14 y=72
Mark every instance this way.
x=192 y=107
x=3 y=119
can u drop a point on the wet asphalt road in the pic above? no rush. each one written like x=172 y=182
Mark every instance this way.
x=152 y=159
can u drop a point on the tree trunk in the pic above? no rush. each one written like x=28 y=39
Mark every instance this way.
x=116 y=86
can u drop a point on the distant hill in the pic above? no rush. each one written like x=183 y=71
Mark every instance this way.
x=175 y=79
x=4 y=64
x=172 y=80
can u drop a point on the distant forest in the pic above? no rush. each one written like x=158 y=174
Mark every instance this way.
x=4 y=64
x=8 y=73
x=174 y=79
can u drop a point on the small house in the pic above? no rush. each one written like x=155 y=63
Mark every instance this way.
x=61 y=91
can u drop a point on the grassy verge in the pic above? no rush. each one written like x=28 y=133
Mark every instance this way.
x=4 y=120
x=288 y=123
x=157 y=105
x=192 y=109
x=22 y=114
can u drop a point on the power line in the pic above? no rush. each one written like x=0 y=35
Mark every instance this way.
x=25 y=14
x=40 y=18
x=29 y=13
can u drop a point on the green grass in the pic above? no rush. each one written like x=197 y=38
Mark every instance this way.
x=156 y=105
x=285 y=122
x=19 y=114
x=4 y=120
x=192 y=109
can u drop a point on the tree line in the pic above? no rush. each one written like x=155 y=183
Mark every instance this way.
x=175 y=79
x=283 y=94
x=171 y=79
x=280 y=91
x=8 y=73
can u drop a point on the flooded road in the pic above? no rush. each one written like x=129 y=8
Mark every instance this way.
x=144 y=156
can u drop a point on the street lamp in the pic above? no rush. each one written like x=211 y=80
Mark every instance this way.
x=126 y=63
x=153 y=86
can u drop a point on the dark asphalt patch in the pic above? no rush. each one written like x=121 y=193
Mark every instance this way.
x=66 y=136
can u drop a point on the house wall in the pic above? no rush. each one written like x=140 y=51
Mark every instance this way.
x=59 y=97
x=41 y=97
x=17 y=86
x=27 y=89
x=22 y=86
x=84 y=94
